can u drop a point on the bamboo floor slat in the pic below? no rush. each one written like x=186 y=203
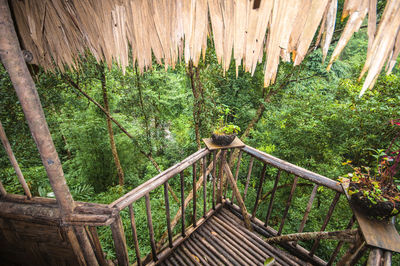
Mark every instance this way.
x=223 y=240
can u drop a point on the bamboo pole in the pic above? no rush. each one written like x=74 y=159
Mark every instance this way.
x=239 y=198
x=13 y=61
x=14 y=162
x=348 y=235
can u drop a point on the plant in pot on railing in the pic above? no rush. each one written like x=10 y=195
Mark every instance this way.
x=376 y=192
x=224 y=133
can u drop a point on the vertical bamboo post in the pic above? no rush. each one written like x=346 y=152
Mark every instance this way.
x=168 y=214
x=221 y=176
x=14 y=162
x=259 y=191
x=134 y=235
x=214 y=170
x=117 y=230
x=182 y=177
x=150 y=225
x=194 y=194
x=13 y=61
x=248 y=178
x=271 y=202
x=204 y=186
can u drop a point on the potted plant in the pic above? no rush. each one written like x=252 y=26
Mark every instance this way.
x=376 y=191
x=224 y=133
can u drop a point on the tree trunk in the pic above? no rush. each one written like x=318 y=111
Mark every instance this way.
x=148 y=155
x=120 y=172
x=196 y=102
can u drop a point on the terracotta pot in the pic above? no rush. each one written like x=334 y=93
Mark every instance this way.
x=380 y=209
x=222 y=140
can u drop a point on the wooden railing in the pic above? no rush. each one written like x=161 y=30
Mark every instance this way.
x=210 y=173
x=216 y=165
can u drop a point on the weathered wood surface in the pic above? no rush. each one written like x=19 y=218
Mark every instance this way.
x=23 y=242
x=14 y=62
x=293 y=169
x=222 y=239
x=345 y=235
x=236 y=143
x=377 y=233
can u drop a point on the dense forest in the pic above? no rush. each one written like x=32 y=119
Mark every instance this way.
x=310 y=117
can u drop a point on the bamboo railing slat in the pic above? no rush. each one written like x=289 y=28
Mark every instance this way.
x=14 y=163
x=150 y=225
x=94 y=236
x=308 y=208
x=326 y=221
x=134 y=235
x=168 y=214
x=293 y=169
x=340 y=244
x=118 y=235
x=157 y=181
x=182 y=177
x=259 y=190
x=237 y=171
x=248 y=177
x=204 y=186
x=236 y=192
x=194 y=174
x=221 y=176
x=271 y=201
x=288 y=203
x=214 y=171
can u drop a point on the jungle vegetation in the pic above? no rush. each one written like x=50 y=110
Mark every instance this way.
x=309 y=117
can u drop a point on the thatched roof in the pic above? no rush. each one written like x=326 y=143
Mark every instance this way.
x=57 y=32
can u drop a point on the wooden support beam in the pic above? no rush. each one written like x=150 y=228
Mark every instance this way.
x=236 y=192
x=375 y=257
x=85 y=245
x=348 y=235
x=118 y=235
x=13 y=161
x=14 y=62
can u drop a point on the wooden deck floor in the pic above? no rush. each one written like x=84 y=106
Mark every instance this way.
x=223 y=240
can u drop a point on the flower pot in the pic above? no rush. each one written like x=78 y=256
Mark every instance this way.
x=380 y=209
x=222 y=140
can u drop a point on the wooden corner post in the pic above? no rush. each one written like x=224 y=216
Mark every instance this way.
x=13 y=61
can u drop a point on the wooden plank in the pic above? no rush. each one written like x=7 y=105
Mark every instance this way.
x=236 y=143
x=377 y=233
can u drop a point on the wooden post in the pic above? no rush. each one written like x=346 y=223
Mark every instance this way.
x=236 y=192
x=118 y=235
x=13 y=61
x=14 y=162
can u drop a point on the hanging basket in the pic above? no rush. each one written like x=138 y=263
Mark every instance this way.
x=222 y=140
x=380 y=209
